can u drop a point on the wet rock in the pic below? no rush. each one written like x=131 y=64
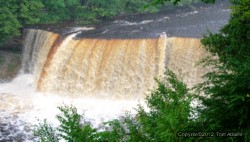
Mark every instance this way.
x=10 y=63
x=20 y=137
x=27 y=129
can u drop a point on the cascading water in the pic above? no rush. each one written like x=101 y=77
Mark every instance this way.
x=36 y=46
x=104 y=77
x=120 y=68
x=113 y=68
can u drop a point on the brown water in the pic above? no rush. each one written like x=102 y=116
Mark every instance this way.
x=113 y=68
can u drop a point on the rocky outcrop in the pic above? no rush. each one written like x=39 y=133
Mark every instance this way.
x=10 y=64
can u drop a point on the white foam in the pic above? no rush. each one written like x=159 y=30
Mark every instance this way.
x=187 y=14
x=163 y=19
x=127 y=23
x=21 y=103
x=75 y=29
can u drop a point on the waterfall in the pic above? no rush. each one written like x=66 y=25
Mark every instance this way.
x=37 y=44
x=105 y=77
x=117 y=68
x=182 y=57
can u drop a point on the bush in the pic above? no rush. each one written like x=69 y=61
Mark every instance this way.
x=169 y=113
x=71 y=128
x=45 y=132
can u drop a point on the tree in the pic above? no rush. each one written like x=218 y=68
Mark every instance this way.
x=9 y=25
x=108 y=8
x=61 y=10
x=170 y=111
x=55 y=11
x=71 y=129
x=227 y=89
x=29 y=11
x=15 y=14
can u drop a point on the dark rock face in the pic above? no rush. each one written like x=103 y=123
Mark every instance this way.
x=10 y=64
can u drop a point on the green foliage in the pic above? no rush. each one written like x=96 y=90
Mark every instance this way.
x=91 y=10
x=108 y=8
x=169 y=111
x=45 y=132
x=227 y=104
x=114 y=131
x=111 y=8
x=61 y=10
x=9 y=25
x=71 y=129
x=30 y=11
x=137 y=6
x=15 y=14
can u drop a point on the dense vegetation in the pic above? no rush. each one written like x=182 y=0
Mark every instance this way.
x=228 y=86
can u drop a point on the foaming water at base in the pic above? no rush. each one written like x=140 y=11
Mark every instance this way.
x=21 y=107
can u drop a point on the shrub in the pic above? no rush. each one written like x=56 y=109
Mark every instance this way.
x=71 y=128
